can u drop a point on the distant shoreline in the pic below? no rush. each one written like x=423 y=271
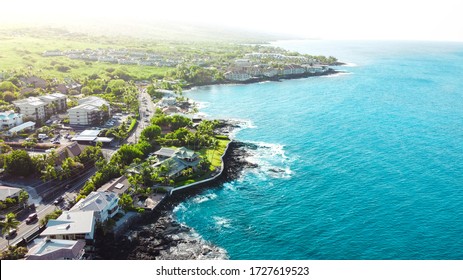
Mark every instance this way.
x=256 y=80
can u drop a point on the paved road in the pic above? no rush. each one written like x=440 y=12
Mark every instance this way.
x=147 y=109
x=43 y=209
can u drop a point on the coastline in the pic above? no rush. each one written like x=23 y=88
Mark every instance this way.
x=157 y=235
x=256 y=80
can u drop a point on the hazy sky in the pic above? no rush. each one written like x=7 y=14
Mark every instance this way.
x=327 y=19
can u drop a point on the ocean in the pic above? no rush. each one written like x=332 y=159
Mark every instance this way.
x=367 y=164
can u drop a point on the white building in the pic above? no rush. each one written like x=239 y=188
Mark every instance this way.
x=89 y=111
x=40 y=107
x=52 y=53
x=103 y=204
x=242 y=62
x=71 y=226
x=56 y=102
x=31 y=107
x=270 y=72
x=10 y=119
x=239 y=76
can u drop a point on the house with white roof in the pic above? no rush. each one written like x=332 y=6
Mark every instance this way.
x=72 y=226
x=56 y=249
x=103 y=204
x=10 y=119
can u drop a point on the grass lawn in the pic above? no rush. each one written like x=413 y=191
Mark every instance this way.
x=214 y=155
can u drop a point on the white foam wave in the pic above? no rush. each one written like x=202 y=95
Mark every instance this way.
x=230 y=186
x=338 y=75
x=203 y=198
x=271 y=160
x=202 y=104
x=180 y=208
x=221 y=222
x=349 y=64
x=241 y=124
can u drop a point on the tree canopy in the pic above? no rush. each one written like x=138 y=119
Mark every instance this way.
x=19 y=163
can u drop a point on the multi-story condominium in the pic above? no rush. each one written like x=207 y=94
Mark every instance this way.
x=56 y=102
x=240 y=76
x=90 y=111
x=31 y=107
x=10 y=119
x=43 y=106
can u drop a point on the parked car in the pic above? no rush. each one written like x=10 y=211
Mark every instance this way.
x=32 y=217
x=11 y=234
x=58 y=200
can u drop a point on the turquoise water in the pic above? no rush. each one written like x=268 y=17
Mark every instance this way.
x=365 y=165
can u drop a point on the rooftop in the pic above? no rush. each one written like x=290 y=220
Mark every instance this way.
x=81 y=222
x=95 y=201
x=85 y=106
x=185 y=153
x=55 y=249
x=9 y=115
x=165 y=152
x=90 y=132
x=6 y=192
x=93 y=100
x=119 y=185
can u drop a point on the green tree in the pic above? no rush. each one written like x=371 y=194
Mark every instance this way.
x=86 y=91
x=8 y=96
x=151 y=133
x=23 y=197
x=214 y=145
x=153 y=92
x=8 y=86
x=126 y=202
x=49 y=173
x=69 y=167
x=128 y=153
x=19 y=163
x=29 y=144
x=9 y=223
x=116 y=87
x=13 y=253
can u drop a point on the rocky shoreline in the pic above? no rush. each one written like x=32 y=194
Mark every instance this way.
x=278 y=78
x=157 y=236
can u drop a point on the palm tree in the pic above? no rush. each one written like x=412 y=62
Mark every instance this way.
x=23 y=197
x=188 y=138
x=214 y=144
x=9 y=223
